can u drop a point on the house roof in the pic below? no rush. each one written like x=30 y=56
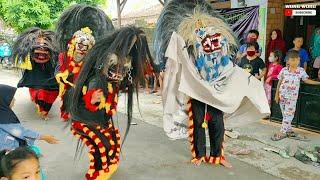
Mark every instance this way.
x=147 y=12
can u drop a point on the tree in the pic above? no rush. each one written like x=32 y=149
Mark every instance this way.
x=23 y=14
x=91 y=2
x=56 y=7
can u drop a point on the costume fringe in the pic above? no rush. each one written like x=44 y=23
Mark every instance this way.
x=208 y=159
x=43 y=99
x=112 y=154
x=191 y=130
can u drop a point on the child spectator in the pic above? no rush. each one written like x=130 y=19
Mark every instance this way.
x=12 y=133
x=252 y=62
x=288 y=91
x=273 y=71
x=21 y=163
x=148 y=73
x=252 y=36
x=303 y=54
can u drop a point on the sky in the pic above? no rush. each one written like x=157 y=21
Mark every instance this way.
x=131 y=5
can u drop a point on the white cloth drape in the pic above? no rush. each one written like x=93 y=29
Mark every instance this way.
x=240 y=96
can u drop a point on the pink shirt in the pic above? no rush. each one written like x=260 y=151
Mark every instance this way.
x=273 y=71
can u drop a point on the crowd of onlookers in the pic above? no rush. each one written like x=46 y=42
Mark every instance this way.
x=5 y=55
x=288 y=67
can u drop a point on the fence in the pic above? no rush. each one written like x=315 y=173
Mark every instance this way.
x=308 y=107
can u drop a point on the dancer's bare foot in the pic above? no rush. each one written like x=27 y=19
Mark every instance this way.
x=197 y=161
x=44 y=116
x=225 y=164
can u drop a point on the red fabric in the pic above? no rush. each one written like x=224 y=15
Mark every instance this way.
x=87 y=101
x=148 y=71
x=63 y=65
x=33 y=94
x=76 y=125
x=207 y=116
x=65 y=115
x=43 y=95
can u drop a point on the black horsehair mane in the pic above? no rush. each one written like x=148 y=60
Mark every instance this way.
x=26 y=41
x=174 y=12
x=79 y=16
x=119 y=43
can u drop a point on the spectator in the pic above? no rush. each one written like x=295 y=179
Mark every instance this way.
x=318 y=76
x=315 y=51
x=6 y=55
x=276 y=42
x=12 y=133
x=274 y=69
x=1 y=52
x=252 y=62
x=316 y=67
x=252 y=36
x=288 y=91
x=150 y=75
x=315 y=43
x=304 y=57
x=21 y=163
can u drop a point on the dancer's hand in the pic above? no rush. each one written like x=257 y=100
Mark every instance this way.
x=49 y=139
x=96 y=96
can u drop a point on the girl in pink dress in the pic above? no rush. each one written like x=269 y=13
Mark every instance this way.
x=274 y=69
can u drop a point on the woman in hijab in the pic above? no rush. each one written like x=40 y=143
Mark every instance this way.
x=315 y=51
x=12 y=133
x=276 y=42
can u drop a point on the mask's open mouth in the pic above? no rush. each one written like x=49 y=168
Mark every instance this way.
x=112 y=76
x=211 y=43
x=41 y=55
x=82 y=49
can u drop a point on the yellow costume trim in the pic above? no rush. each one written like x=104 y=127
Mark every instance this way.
x=27 y=65
x=86 y=30
x=102 y=103
x=106 y=175
x=204 y=125
x=62 y=81
x=84 y=90
x=110 y=88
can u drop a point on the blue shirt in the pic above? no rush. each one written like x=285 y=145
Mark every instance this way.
x=10 y=132
x=5 y=50
x=304 y=57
